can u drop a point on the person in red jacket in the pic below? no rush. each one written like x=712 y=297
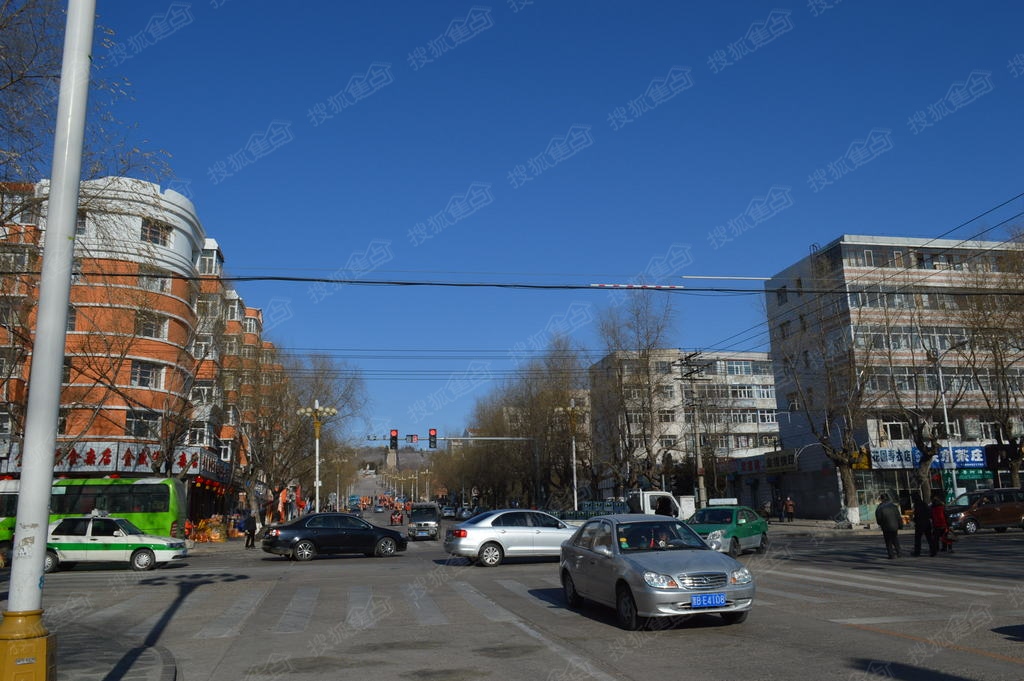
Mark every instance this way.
x=940 y=526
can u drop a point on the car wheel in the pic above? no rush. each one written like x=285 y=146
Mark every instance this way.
x=735 y=617
x=763 y=546
x=970 y=526
x=304 y=550
x=572 y=597
x=734 y=547
x=51 y=563
x=143 y=560
x=625 y=609
x=385 y=547
x=491 y=555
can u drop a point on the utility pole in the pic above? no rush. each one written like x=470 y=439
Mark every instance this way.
x=689 y=369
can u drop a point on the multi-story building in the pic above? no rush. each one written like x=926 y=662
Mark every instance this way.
x=879 y=343
x=143 y=386
x=715 y=408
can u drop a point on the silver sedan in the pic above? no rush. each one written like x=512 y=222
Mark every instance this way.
x=492 y=536
x=652 y=566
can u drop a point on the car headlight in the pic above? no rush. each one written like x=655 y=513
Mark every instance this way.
x=660 y=581
x=956 y=516
x=716 y=535
x=741 y=576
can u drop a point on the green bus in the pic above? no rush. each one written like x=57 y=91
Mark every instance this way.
x=154 y=505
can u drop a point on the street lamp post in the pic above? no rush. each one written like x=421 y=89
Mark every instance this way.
x=937 y=357
x=572 y=427
x=316 y=412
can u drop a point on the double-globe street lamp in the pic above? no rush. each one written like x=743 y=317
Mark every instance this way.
x=317 y=413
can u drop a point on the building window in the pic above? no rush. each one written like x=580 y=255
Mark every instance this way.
x=249 y=352
x=235 y=310
x=895 y=430
x=667 y=441
x=740 y=392
x=739 y=367
x=869 y=258
x=202 y=346
x=203 y=392
x=990 y=430
x=153 y=279
x=62 y=421
x=785 y=329
x=5 y=423
x=764 y=392
x=198 y=435
x=142 y=424
x=251 y=325
x=666 y=415
x=154 y=232
x=781 y=295
x=146 y=374
x=65 y=375
x=663 y=367
x=634 y=417
x=150 y=326
x=207 y=307
x=209 y=263
x=18 y=207
x=72 y=319
x=13 y=260
x=767 y=416
x=667 y=392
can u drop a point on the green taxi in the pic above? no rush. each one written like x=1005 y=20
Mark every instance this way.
x=731 y=529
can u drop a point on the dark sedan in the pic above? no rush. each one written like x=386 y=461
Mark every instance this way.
x=304 y=538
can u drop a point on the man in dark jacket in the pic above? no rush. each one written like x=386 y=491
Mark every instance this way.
x=250 y=531
x=922 y=525
x=890 y=520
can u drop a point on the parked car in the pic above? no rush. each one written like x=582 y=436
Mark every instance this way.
x=735 y=529
x=447 y=511
x=490 y=537
x=317 y=533
x=378 y=509
x=100 y=539
x=997 y=509
x=464 y=513
x=652 y=566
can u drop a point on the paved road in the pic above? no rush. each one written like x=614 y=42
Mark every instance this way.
x=827 y=608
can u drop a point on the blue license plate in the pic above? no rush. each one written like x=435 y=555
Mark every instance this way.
x=421 y=534
x=707 y=600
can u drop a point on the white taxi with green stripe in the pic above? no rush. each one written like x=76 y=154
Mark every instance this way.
x=99 y=539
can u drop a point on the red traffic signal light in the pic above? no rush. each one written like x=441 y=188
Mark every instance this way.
x=432 y=436
x=394 y=438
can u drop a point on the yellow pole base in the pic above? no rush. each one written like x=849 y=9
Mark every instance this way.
x=28 y=652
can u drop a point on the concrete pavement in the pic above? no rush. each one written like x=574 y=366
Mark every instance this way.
x=82 y=657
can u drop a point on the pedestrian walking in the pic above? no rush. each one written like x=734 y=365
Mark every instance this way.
x=890 y=520
x=790 y=509
x=922 y=525
x=940 y=527
x=250 y=531
x=780 y=507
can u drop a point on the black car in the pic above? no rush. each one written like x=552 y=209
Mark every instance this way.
x=304 y=538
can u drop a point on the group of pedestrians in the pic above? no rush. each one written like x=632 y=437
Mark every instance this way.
x=930 y=525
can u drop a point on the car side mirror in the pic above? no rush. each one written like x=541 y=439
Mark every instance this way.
x=605 y=551
x=741 y=521
x=118 y=533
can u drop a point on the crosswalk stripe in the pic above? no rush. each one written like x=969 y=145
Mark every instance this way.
x=231 y=620
x=787 y=594
x=361 y=611
x=847 y=584
x=550 y=605
x=911 y=583
x=424 y=607
x=486 y=606
x=297 y=613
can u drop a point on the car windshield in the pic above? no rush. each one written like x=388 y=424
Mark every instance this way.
x=657 y=536
x=423 y=514
x=127 y=527
x=712 y=516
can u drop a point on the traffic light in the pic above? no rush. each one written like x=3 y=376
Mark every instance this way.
x=432 y=436
x=394 y=438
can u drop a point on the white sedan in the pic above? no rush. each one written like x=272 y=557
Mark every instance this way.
x=490 y=537
x=98 y=539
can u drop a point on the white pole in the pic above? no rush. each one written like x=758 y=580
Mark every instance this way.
x=316 y=451
x=945 y=417
x=572 y=425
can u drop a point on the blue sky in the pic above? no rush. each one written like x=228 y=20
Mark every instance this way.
x=558 y=143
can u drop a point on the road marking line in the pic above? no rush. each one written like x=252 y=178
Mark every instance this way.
x=839 y=582
x=486 y=606
x=910 y=584
x=519 y=589
x=297 y=613
x=231 y=620
x=423 y=605
x=363 y=613
x=789 y=594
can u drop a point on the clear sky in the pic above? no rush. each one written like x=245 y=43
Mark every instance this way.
x=559 y=143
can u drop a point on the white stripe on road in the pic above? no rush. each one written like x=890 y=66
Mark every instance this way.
x=910 y=583
x=938 y=617
x=847 y=584
x=788 y=594
x=550 y=606
x=296 y=614
x=576 y=666
x=424 y=607
x=231 y=620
